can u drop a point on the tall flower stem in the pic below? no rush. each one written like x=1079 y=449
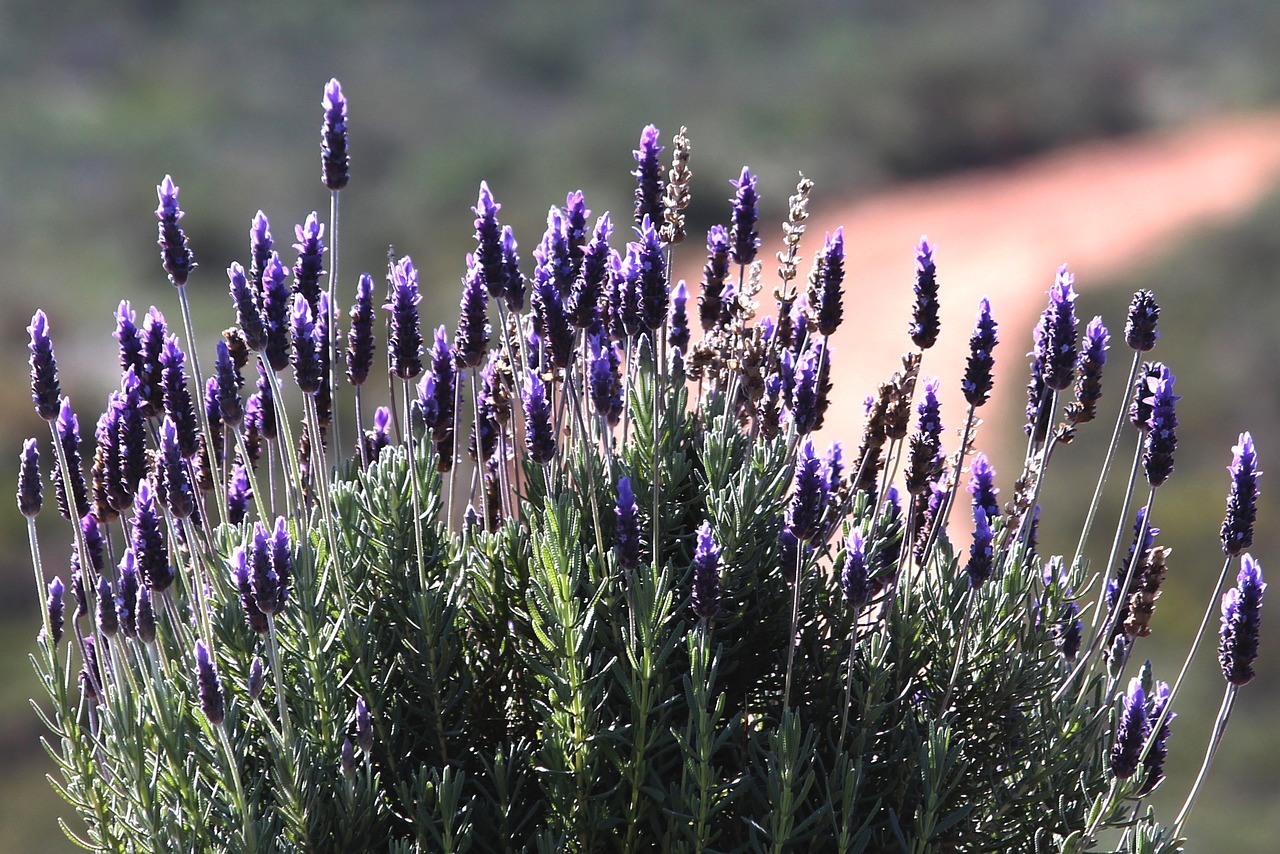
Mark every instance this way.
x=219 y=484
x=848 y=683
x=273 y=654
x=1121 y=522
x=1106 y=463
x=970 y=595
x=39 y=568
x=361 y=449
x=1219 y=727
x=333 y=337
x=250 y=473
x=939 y=525
x=242 y=804
x=411 y=458
x=321 y=470
x=795 y=618
x=293 y=475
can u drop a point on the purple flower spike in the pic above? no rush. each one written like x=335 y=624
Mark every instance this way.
x=148 y=541
x=129 y=338
x=654 y=296
x=29 y=488
x=174 y=253
x=262 y=574
x=307 y=370
x=924 y=317
x=77 y=586
x=588 y=287
x=808 y=500
x=977 y=381
x=45 y=388
x=743 y=237
x=549 y=316
x=625 y=296
x=335 y=160
x=91 y=683
x=260 y=246
x=242 y=575
x=309 y=267
x=474 y=328
x=208 y=685
x=1140 y=331
x=1161 y=439
x=276 y=302
x=714 y=274
x=175 y=483
x=627 y=527
x=1153 y=765
x=1056 y=334
x=981 y=557
x=405 y=339
x=229 y=382
x=132 y=444
x=150 y=377
x=68 y=430
x=257 y=679
x=804 y=409
x=239 y=495
x=648 y=174
x=606 y=379
x=54 y=608
x=678 y=326
x=381 y=432
x=854 y=580
x=1089 y=380
x=282 y=561
x=94 y=544
x=514 y=279
x=489 y=242
x=146 y=616
x=575 y=213
x=826 y=291
x=540 y=440
x=1131 y=731
x=266 y=405
x=1242 y=499
x=107 y=619
x=360 y=340
x=1241 y=615
x=445 y=374
x=177 y=397
x=982 y=486
x=248 y=307
x=127 y=596
x=706 y=574
x=364 y=726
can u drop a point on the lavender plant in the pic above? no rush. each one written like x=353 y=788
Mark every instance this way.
x=643 y=610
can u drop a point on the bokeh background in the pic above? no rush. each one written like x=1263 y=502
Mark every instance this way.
x=874 y=99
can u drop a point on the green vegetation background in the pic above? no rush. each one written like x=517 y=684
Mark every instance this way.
x=100 y=99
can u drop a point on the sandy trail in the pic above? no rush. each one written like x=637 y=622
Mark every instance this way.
x=1002 y=233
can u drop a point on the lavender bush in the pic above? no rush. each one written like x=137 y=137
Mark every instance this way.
x=587 y=583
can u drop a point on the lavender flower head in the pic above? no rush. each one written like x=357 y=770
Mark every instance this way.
x=405 y=339
x=827 y=290
x=804 y=397
x=854 y=580
x=1153 y=765
x=808 y=500
x=1242 y=499
x=68 y=430
x=648 y=174
x=107 y=619
x=512 y=277
x=45 y=388
x=263 y=578
x=335 y=160
x=1161 y=439
x=177 y=397
x=743 y=237
x=713 y=277
x=174 y=253
x=242 y=575
x=230 y=408
x=248 y=308
x=924 y=317
x=175 y=482
x=150 y=375
x=309 y=267
x=364 y=726
x=360 y=339
x=539 y=439
x=208 y=685
x=474 y=328
x=29 y=486
x=257 y=679
x=1131 y=732
x=588 y=286
x=260 y=245
x=1241 y=615
x=148 y=541
x=276 y=302
x=54 y=608
x=654 y=297
x=489 y=241
x=1089 y=380
x=605 y=380
x=307 y=369
x=678 y=324
x=128 y=337
x=1056 y=334
x=706 y=574
x=126 y=602
x=626 y=527
x=239 y=495
x=982 y=486
x=981 y=555
x=1140 y=331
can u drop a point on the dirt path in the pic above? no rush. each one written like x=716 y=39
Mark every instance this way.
x=1002 y=233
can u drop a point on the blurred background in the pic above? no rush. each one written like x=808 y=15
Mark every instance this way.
x=1137 y=134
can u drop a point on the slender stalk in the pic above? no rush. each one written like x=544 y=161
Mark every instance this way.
x=970 y=595
x=41 y=591
x=1219 y=727
x=218 y=484
x=273 y=655
x=242 y=804
x=848 y=683
x=333 y=335
x=795 y=618
x=412 y=464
